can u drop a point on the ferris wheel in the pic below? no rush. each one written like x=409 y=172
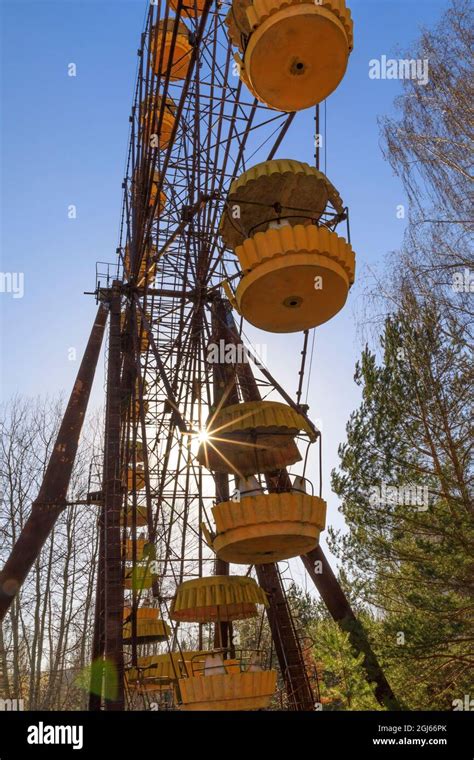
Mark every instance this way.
x=205 y=485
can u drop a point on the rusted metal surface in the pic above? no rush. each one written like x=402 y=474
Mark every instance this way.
x=52 y=494
x=98 y=639
x=223 y=377
x=320 y=572
x=285 y=638
x=112 y=486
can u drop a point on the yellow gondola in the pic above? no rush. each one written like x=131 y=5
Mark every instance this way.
x=294 y=278
x=217 y=683
x=296 y=274
x=150 y=121
x=251 y=437
x=163 y=52
x=276 y=193
x=162 y=668
x=228 y=691
x=159 y=207
x=150 y=628
x=268 y=527
x=218 y=598
x=191 y=8
x=160 y=673
x=295 y=53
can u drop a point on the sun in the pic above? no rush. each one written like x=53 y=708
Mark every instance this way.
x=202 y=436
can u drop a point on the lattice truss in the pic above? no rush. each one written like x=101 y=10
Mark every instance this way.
x=170 y=245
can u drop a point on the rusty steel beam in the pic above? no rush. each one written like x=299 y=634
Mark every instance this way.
x=333 y=596
x=283 y=131
x=51 y=499
x=223 y=630
x=285 y=638
x=98 y=640
x=223 y=379
x=113 y=495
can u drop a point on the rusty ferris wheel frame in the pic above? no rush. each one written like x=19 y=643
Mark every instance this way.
x=166 y=293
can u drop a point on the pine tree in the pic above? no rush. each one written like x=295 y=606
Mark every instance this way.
x=405 y=483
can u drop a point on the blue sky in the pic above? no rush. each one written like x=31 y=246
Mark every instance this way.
x=64 y=142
